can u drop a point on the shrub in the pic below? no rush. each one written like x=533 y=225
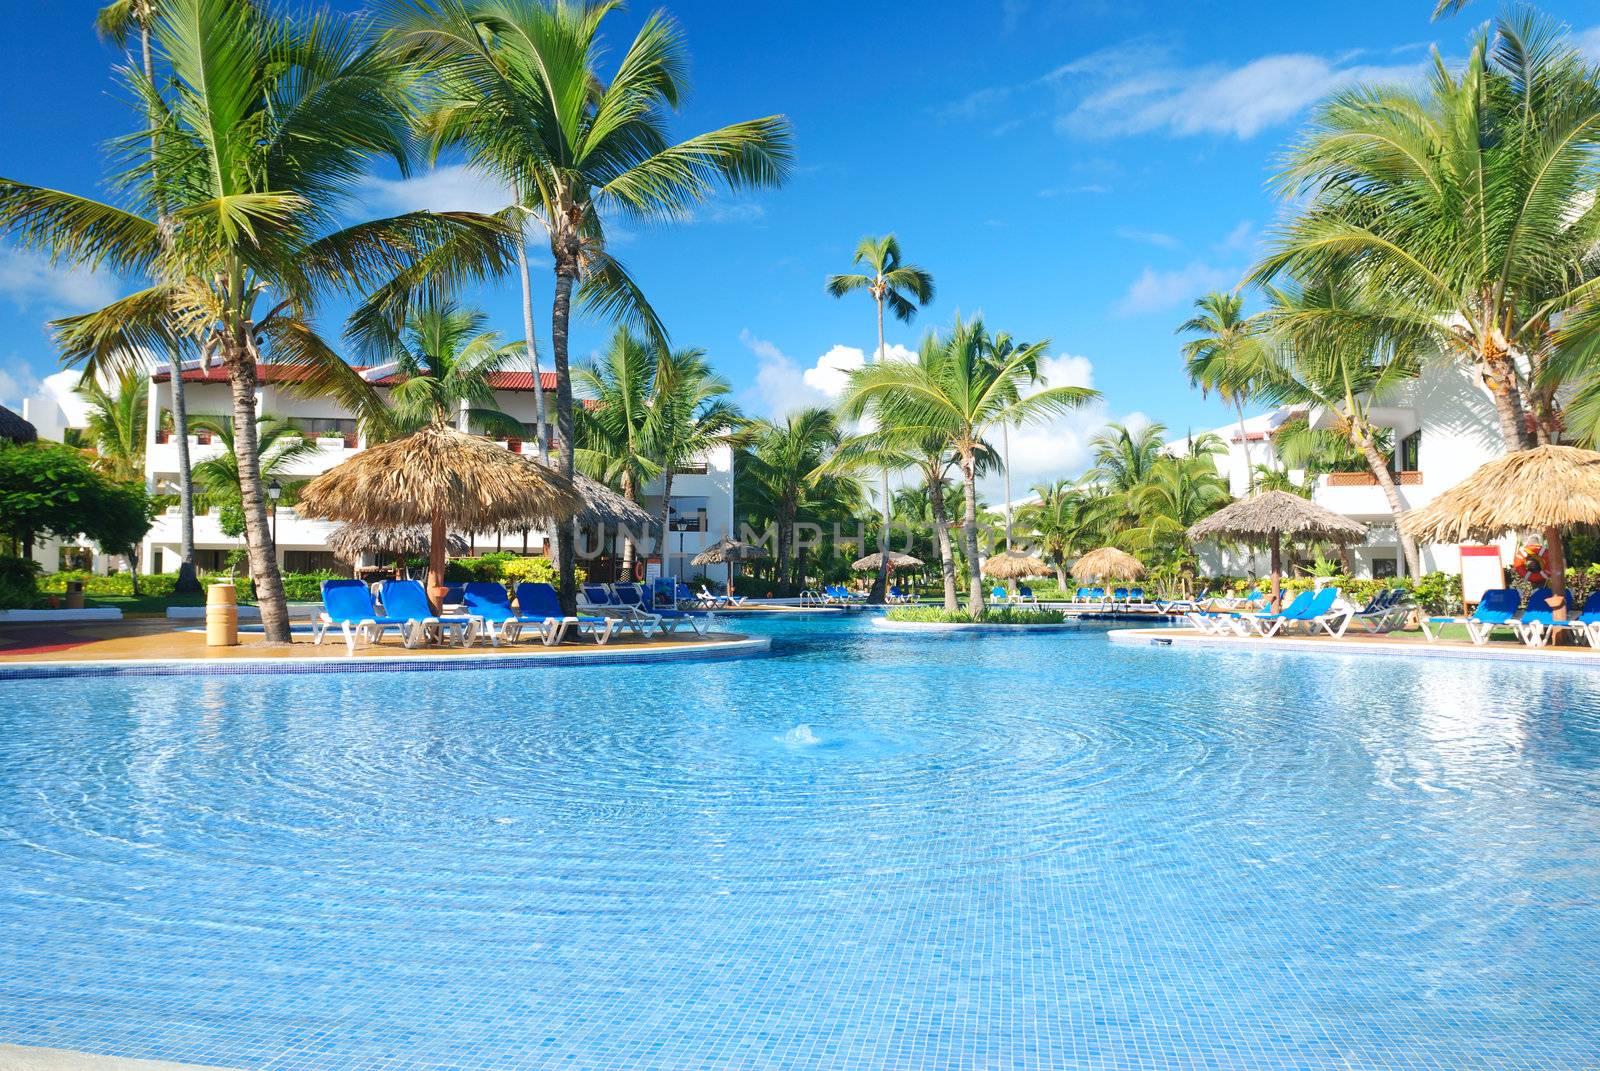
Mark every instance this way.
x=304 y=587
x=520 y=570
x=994 y=615
x=19 y=582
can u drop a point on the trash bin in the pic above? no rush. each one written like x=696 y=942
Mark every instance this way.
x=74 y=594
x=222 y=616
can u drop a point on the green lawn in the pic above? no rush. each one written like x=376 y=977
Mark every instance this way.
x=152 y=605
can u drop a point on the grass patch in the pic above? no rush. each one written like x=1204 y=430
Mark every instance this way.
x=1000 y=615
x=140 y=605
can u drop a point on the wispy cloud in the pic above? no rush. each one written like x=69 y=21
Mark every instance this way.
x=782 y=386
x=1158 y=291
x=31 y=281
x=1155 y=238
x=453 y=188
x=17 y=382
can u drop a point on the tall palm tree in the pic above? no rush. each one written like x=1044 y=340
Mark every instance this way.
x=777 y=474
x=117 y=22
x=280 y=443
x=1059 y=523
x=1339 y=351
x=263 y=127
x=116 y=424
x=902 y=287
x=1470 y=207
x=692 y=418
x=578 y=144
x=1226 y=357
x=1000 y=348
x=1180 y=492
x=618 y=434
x=955 y=390
x=445 y=359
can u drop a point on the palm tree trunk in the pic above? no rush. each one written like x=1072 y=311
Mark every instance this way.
x=1556 y=557
x=1244 y=441
x=666 y=513
x=437 y=543
x=880 y=584
x=1494 y=366
x=539 y=434
x=1380 y=471
x=969 y=536
x=560 y=318
x=253 y=500
x=627 y=536
x=1005 y=464
x=941 y=529
x=785 y=527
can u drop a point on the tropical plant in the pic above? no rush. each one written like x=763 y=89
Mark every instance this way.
x=1181 y=491
x=116 y=424
x=1060 y=523
x=692 y=418
x=954 y=390
x=893 y=283
x=262 y=128
x=117 y=22
x=776 y=476
x=1469 y=206
x=1226 y=357
x=279 y=445
x=445 y=360
x=572 y=143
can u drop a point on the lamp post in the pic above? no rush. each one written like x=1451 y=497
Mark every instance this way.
x=274 y=492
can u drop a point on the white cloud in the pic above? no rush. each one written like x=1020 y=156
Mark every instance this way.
x=1239 y=240
x=1157 y=291
x=1139 y=90
x=1588 y=43
x=30 y=280
x=17 y=382
x=782 y=386
x=453 y=188
x=1155 y=238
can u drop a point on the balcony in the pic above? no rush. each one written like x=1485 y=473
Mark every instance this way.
x=1357 y=494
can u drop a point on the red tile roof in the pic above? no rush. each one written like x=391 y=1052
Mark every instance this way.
x=287 y=373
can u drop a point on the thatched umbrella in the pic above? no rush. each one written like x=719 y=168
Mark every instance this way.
x=873 y=562
x=443 y=478
x=1270 y=516
x=1014 y=565
x=349 y=541
x=1107 y=563
x=14 y=429
x=603 y=506
x=1545 y=489
x=729 y=552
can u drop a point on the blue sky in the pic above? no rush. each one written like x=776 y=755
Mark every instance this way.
x=1074 y=169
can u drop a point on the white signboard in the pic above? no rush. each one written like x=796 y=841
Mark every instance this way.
x=1481 y=571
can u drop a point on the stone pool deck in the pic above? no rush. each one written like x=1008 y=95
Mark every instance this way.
x=1390 y=645
x=156 y=646
x=31 y=1058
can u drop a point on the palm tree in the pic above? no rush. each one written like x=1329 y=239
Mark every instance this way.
x=895 y=284
x=1226 y=357
x=1059 y=523
x=1180 y=492
x=618 y=434
x=263 y=127
x=954 y=390
x=1340 y=352
x=281 y=445
x=692 y=418
x=1001 y=347
x=574 y=144
x=117 y=22
x=776 y=474
x=1469 y=206
x=445 y=359
x=116 y=424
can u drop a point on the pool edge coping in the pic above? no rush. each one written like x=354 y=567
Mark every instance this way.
x=743 y=647
x=1300 y=645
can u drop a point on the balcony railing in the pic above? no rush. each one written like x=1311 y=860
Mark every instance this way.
x=1367 y=479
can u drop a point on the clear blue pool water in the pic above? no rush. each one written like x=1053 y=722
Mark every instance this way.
x=1035 y=851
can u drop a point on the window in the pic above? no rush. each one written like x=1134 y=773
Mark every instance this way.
x=687 y=514
x=312 y=561
x=1406 y=457
x=1384 y=568
x=698 y=469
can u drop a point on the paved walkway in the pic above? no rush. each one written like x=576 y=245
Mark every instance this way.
x=29 y=1058
x=1392 y=644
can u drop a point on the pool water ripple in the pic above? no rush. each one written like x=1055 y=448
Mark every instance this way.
x=1037 y=850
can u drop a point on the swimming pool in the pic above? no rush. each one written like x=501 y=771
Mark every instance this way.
x=868 y=850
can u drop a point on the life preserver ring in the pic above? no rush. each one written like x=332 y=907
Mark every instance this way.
x=1529 y=563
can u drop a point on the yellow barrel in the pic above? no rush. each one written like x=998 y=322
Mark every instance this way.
x=222 y=616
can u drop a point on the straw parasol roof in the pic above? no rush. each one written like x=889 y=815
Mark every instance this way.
x=1107 y=563
x=872 y=562
x=349 y=541
x=1546 y=487
x=440 y=473
x=1276 y=513
x=603 y=506
x=728 y=550
x=1014 y=565
x=1270 y=516
x=14 y=429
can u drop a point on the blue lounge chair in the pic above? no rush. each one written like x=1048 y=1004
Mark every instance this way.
x=1119 y=595
x=1267 y=624
x=408 y=599
x=1025 y=595
x=1587 y=623
x=1136 y=595
x=1537 y=622
x=539 y=602
x=667 y=618
x=596 y=599
x=999 y=594
x=1497 y=608
x=491 y=606
x=897 y=595
x=707 y=597
x=348 y=604
x=1386 y=611
x=1097 y=594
